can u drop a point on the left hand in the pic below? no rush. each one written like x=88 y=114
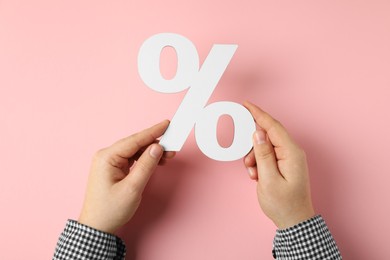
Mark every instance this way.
x=118 y=176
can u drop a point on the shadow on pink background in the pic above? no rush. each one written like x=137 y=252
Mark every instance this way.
x=69 y=85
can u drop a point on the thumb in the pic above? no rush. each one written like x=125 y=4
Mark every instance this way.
x=145 y=166
x=265 y=156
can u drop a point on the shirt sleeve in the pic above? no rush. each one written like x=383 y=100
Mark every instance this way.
x=79 y=241
x=310 y=239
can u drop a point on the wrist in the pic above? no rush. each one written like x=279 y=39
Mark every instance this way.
x=295 y=219
x=95 y=224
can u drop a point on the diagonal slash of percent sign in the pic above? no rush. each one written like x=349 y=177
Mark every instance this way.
x=201 y=83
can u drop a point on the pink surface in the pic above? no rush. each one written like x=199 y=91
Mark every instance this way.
x=69 y=85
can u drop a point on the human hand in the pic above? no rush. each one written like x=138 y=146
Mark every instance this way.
x=118 y=176
x=279 y=166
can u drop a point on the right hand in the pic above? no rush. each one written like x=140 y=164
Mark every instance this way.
x=279 y=166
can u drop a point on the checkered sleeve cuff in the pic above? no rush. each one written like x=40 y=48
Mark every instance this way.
x=79 y=241
x=310 y=239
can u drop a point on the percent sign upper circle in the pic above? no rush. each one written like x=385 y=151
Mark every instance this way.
x=201 y=83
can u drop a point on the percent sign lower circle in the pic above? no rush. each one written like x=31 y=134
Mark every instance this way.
x=201 y=83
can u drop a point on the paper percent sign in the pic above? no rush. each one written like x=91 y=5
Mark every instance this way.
x=201 y=83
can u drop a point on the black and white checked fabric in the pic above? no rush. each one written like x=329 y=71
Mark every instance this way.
x=310 y=239
x=78 y=241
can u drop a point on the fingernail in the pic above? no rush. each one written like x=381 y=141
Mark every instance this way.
x=155 y=151
x=250 y=172
x=246 y=160
x=260 y=137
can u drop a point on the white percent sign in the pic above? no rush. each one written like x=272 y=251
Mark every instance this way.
x=201 y=83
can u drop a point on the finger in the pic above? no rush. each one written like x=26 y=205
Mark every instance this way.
x=162 y=162
x=166 y=156
x=144 y=167
x=249 y=159
x=252 y=172
x=277 y=134
x=265 y=156
x=250 y=164
x=137 y=155
x=129 y=146
x=169 y=154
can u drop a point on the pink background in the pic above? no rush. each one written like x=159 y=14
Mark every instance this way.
x=69 y=85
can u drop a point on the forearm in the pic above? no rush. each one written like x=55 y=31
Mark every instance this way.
x=79 y=241
x=310 y=239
